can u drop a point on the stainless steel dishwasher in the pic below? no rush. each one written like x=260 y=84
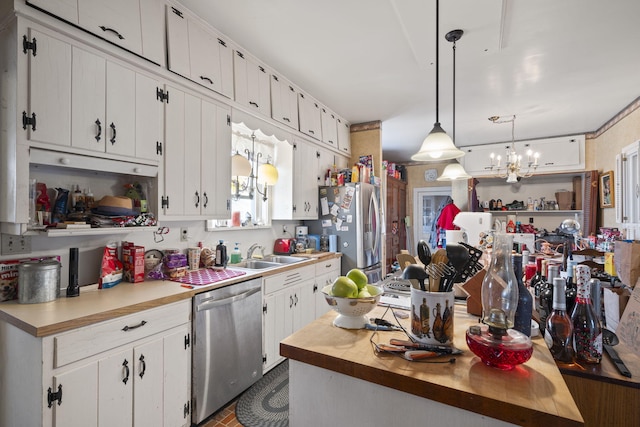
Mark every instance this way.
x=227 y=347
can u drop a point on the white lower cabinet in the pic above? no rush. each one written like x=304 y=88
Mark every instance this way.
x=288 y=305
x=326 y=273
x=131 y=371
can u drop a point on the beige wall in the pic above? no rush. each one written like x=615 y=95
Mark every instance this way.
x=601 y=153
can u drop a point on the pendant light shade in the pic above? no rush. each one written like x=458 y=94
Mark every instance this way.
x=240 y=166
x=268 y=174
x=437 y=146
x=453 y=172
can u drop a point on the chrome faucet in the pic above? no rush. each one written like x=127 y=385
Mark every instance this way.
x=252 y=249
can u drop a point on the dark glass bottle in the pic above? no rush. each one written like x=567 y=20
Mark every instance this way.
x=524 y=311
x=553 y=271
x=570 y=290
x=559 y=331
x=587 y=332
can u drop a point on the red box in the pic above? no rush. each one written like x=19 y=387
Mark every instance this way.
x=133 y=262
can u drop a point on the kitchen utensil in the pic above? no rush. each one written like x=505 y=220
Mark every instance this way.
x=609 y=339
x=415 y=272
x=444 y=349
x=437 y=269
x=424 y=253
x=458 y=256
x=38 y=281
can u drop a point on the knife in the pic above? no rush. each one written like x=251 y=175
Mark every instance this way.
x=613 y=354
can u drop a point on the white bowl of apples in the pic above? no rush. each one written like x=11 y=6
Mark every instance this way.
x=352 y=299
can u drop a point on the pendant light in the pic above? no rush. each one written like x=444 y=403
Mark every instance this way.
x=437 y=146
x=454 y=171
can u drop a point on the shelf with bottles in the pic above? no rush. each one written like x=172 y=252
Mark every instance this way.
x=542 y=212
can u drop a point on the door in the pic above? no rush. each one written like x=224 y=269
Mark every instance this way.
x=177 y=376
x=79 y=406
x=115 y=389
x=426 y=203
x=148 y=118
x=174 y=153
x=117 y=21
x=148 y=371
x=88 y=127
x=121 y=110
x=49 y=90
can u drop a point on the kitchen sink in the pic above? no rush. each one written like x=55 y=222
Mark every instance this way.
x=283 y=259
x=258 y=264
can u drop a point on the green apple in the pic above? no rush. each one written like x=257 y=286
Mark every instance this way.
x=359 y=278
x=344 y=287
x=364 y=293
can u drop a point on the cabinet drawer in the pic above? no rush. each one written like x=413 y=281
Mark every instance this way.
x=88 y=341
x=328 y=266
x=290 y=278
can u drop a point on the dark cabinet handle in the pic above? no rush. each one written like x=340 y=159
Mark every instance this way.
x=207 y=79
x=290 y=301
x=206 y=199
x=128 y=328
x=105 y=29
x=113 y=137
x=125 y=365
x=99 y=134
x=197 y=199
x=144 y=365
x=286 y=119
x=254 y=104
x=312 y=132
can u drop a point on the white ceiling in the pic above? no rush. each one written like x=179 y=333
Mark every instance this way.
x=562 y=67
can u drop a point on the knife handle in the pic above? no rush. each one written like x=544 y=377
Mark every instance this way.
x=613 y=354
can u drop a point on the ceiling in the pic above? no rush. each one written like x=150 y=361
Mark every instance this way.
x=562 y=67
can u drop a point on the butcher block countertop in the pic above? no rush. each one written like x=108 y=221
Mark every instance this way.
x=96 y=305
x=532 y=394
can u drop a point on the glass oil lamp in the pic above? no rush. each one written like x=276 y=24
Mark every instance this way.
x=495 y=342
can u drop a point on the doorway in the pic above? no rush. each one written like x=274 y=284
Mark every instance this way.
x=426 y=202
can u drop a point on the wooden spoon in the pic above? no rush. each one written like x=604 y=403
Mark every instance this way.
x=439 y=259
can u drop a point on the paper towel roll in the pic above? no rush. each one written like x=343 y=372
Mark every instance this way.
x=333 y=243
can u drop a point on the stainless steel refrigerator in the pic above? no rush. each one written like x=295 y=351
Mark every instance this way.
x=352 y=213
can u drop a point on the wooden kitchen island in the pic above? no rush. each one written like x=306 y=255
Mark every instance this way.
x=335 y=378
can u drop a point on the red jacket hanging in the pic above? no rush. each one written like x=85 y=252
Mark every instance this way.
x=445 y=220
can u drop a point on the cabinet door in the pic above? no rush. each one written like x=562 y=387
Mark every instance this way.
x=117 y=21
x=192 y=199
x=148 y=120
x=216 y=147
x=153 y=30
x=304 y=305
x=148 y=377
x=88 y=127
x=309 y=116
x=305 y=187
x=49 y=90
x=329 y=127
x=177 y=376
x=252 y=84
x=178 y=43
x=276 y=325
x=174 y=157
x=79 y=407
x=115 y=389
x=205 y=61
x=477 y=160
x=284 y=102
x=344 y=136
x=121 y=110
x=65 y=9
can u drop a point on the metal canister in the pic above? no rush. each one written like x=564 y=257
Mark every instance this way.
x=38 y=281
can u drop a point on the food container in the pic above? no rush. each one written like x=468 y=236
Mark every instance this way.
x=38 y=281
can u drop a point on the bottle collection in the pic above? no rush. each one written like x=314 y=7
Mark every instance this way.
x=569 y=322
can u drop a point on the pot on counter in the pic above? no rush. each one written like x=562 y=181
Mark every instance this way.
x=38 y=281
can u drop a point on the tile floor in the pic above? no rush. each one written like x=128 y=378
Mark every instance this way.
x=224 y=418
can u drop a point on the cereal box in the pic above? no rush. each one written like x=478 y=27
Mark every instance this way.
x=133 y=262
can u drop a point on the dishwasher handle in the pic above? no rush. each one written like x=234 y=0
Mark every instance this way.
x=211 y=302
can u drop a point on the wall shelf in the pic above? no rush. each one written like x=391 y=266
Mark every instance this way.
x=66 y=232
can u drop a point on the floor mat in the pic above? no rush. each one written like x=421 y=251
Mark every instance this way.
x=266 y=403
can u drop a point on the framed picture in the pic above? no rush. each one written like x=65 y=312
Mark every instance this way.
x=606 y=190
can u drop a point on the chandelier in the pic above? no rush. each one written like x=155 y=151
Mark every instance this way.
x=248 y=174
x=514 y=165
x=437 y=146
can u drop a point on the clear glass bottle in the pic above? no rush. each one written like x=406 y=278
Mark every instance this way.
x=587 y=331
x=559 y=330
x=524 y=311
x=499 y=286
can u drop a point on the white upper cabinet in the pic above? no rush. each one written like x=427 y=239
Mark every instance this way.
x=344 y=136
x=284 y=101
x=65 y=9
x=149 y=118
x=561 y=154
x=310 y=121
x=329 y=127
x=252 y=84
x=152 y=25
x=627 y=189
x=48 y=115
x=199 y=53
x=216 y=150
x=117 y=21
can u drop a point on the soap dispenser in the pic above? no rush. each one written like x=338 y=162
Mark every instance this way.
x=221 y=255
x=236 y=255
